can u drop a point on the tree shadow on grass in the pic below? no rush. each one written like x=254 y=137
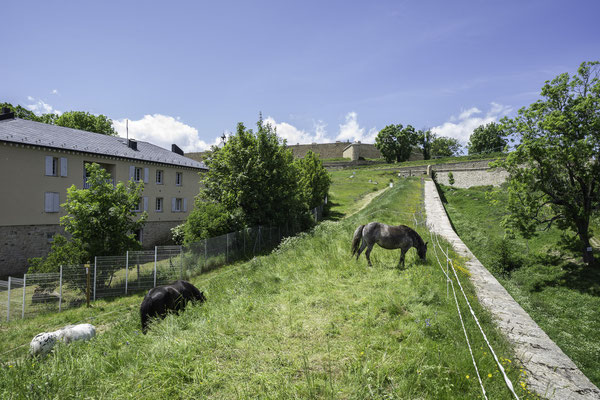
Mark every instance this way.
x=332 y=215
x=574 y=274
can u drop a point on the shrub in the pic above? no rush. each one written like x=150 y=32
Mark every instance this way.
x=506 y=256
x=450 y=178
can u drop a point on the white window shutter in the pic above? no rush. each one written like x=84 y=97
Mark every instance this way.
x=55 y=202
x=146 y=174
x=48 y=165
x=145 y=203
x=173 y=201
x=48 y=199
x=131 y=172
x=63 y=166
x=184 y=205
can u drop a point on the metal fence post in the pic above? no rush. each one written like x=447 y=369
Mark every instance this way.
x=181 y=262
x=24 y=289
x=126 y=269
x=60 y=289
x=205 y=254
x=95 y=265
x=87 y=285
x=227 y=249
x=155 y=261
x=244 y=237
x=8 y=302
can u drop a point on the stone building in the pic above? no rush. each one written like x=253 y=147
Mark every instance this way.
x=38 y=162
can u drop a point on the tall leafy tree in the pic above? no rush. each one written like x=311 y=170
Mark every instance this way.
x=487 y=139
x=86 y=122
x=425 y=139
x=443 y=146
x=72 y=119
x=555 y=171
x=254 y=178
x=314 y=181
x=396 y=142
x=102 y=218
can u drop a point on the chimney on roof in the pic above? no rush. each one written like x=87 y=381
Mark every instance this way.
x=132 y=144
x=176 y=149
x=6 y=114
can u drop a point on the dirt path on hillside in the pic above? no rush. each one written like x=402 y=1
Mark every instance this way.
x=365 y=201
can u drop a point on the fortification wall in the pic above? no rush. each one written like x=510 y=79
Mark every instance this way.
x=466 y=174
x=325 y=150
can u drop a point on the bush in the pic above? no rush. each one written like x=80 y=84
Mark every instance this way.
x=209 y=220
x=506 y=256
x=450 y=178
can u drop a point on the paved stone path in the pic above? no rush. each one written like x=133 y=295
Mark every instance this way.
x=550 y=373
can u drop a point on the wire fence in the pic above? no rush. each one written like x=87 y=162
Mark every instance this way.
x=136 y=271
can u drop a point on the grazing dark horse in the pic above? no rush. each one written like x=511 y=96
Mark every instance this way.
x=389 y=237
x=162 y=299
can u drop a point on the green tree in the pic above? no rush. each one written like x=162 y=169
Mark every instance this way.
x=73 y=119
x=21 y=112
x=102 y=218
x=63 y=252
x=314 y=180
x=488 y=138
x=86 y=122
x=425 y=139
x=555 y=171
x=396 y=142
x=254 y=178
x=209 y=220
x=443 y=146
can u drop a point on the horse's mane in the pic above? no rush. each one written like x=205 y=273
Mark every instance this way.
x=417 y=239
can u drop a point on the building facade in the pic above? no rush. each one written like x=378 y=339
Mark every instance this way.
x=38 y=162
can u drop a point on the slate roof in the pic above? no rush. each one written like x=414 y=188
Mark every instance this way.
x=58 y=137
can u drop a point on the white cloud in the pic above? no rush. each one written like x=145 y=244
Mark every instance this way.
x=349 y=130
x=54 y=91
x=164 y=130
x=40 y=107
x=462 y=127
x=289 y=132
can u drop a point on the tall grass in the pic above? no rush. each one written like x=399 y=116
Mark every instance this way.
x=304 y=322
x=544 y=275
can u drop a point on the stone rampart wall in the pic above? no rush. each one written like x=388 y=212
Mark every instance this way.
x=18 y=243
x=466 y=173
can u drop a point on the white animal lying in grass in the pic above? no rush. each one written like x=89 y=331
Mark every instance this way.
x=44 y=342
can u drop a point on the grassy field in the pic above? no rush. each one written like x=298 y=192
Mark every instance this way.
x=349 y=186
x=547 y=279
x=304 y=322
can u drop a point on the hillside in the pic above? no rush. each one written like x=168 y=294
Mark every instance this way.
x=304 y=322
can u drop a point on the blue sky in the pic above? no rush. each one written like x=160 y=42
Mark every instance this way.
x=185 y=72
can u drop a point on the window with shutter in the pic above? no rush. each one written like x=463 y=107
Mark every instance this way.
x=63 y=166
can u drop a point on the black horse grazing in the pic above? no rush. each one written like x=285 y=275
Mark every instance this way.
x=389 y=237
x=162 y=299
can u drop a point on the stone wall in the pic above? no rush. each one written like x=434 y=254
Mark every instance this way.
x=325 y=150
x=158 y=233
x=18 y=243
x=466 y=173
x=21 y=242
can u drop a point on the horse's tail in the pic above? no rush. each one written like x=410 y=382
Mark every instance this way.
x=357 y=239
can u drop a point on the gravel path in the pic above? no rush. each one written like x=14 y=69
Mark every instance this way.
x=550 y=373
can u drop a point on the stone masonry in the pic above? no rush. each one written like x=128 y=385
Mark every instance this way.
x=550 y=373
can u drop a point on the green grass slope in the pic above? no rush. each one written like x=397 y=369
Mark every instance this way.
x=546 y=278
x=306 y=321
